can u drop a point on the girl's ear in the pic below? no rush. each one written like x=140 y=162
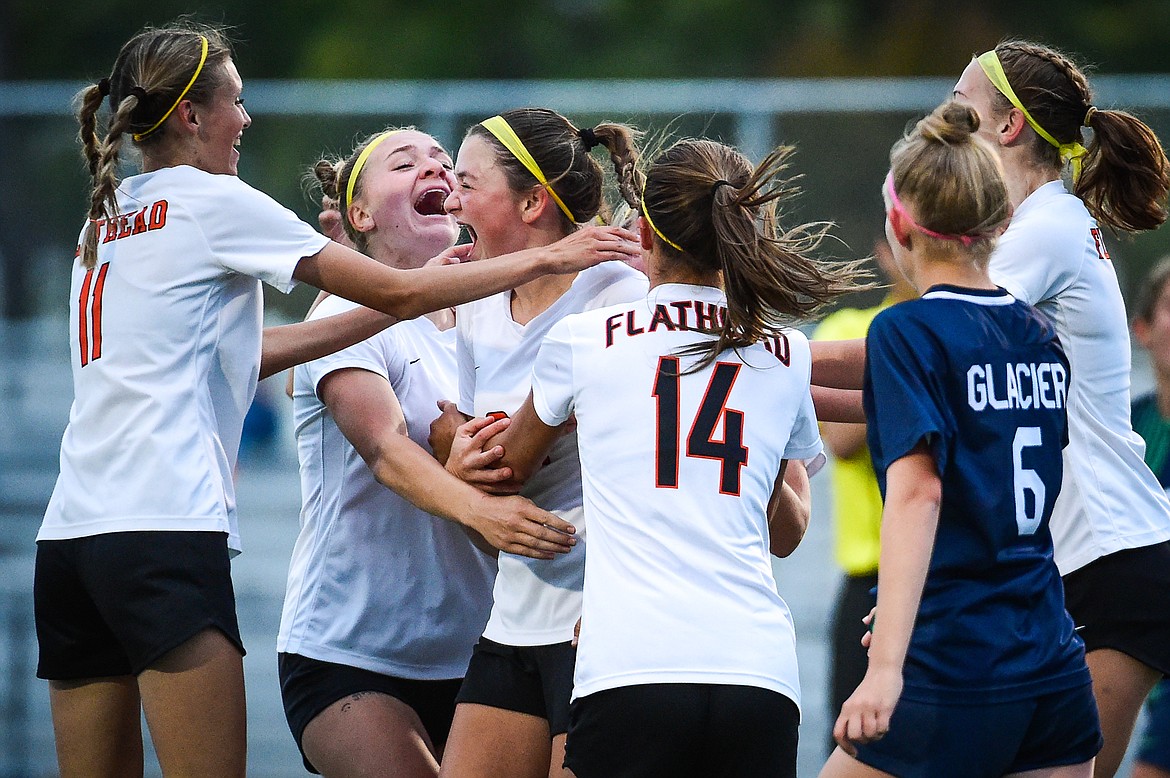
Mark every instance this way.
x=1141 y=331
x=645 y=234
x=534 y=203
x=361 y=219
x=1011 y=126
x=899 y=227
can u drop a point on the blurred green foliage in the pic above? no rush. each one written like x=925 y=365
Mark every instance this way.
x=843 y=156
x=592 y=38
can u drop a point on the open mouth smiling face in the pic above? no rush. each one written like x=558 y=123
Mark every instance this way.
x=430 y=202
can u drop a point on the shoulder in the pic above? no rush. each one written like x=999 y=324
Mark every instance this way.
x=490 y=305
x=331 y=306
x=1051 y=223
x=610 y=283
x=912 y=326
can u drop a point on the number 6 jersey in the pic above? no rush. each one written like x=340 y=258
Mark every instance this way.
x=677 y=470
x=981 y=378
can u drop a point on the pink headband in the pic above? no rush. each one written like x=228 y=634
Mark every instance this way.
x=966 y=240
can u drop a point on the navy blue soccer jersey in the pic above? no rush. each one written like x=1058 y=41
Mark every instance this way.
x=983 y=380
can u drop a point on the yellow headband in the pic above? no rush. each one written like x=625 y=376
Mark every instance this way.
x=359 y=164
x=499 y=127
x=179 y=99
x=658 y=232
x=1069 y=152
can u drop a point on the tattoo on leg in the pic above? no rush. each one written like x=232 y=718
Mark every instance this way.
x=354 y=698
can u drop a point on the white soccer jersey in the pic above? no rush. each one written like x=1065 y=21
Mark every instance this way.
x=375 y=582
x=677 y=473
x=537 y=602
x=1053 y=257
x=165 y=343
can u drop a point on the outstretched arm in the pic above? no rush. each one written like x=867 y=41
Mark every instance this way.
x=367 y=412
x=909 y=524
x=838 y=364
x=407 y=294
x=287 y=345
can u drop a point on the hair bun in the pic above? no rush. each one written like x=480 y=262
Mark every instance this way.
x=326 y=173
x=951 y=122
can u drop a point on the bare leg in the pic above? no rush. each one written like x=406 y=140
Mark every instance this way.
x=1082 y=770
x=556 y=768
x=484 y=739
x=194 y=703
x=841 y=765
x=1121 y=684
x=96 y=723
x=369 y=734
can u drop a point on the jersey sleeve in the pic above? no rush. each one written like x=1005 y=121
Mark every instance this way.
x=903 y=395
x=552 y=376
x=1038 y=261
x=465 y=359
x=370 y=354
x=252 y=234
x=804 y=442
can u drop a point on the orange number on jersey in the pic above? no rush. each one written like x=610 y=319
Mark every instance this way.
x=1102 y=252
x=89 y=314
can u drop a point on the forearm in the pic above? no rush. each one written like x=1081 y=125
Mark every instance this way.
x=843 y=440
x=526 y=442
x=789 y=510
x=406 y=468
x=838 y=364
x=838 y=405
x=287 y=345
x=909 y=524
x=407 y=294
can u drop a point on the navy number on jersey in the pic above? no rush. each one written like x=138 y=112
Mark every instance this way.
x=701 y=442
x=89 y=314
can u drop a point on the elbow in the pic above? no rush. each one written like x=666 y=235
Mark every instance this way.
x=399 y=301
x=782 y=544
x=521 y=472
x=926 y=493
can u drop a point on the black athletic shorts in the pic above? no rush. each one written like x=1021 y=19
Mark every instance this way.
x=537 y=680
x=1122 y=601
x=683 y=730
x=113 y=604
x=309 y=686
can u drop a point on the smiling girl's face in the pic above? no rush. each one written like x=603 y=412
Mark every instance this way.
x=403 y=185
x=483 y=201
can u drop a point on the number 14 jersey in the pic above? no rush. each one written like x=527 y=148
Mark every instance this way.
x=677 y=470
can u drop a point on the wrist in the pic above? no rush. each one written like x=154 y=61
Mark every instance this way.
x=470 y=511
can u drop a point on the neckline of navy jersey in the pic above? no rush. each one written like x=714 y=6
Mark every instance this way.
x=996 y=296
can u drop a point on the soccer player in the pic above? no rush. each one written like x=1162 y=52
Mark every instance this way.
x=1151 y=420
x=133 y=599
x=386 y=595
x=525 y=179
x=1111 y=524
x=974 y=666
x=690 y=404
